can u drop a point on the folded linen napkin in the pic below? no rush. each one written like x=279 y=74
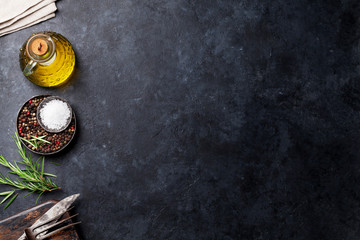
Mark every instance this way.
x=19 y=14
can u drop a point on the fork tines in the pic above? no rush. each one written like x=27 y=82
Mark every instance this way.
x=32 y=233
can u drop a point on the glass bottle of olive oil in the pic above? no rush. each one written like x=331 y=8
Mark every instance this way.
x=47 y=59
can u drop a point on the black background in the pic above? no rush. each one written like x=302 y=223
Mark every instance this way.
x=204 y=119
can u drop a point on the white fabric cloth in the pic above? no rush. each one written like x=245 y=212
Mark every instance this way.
x=19 y=14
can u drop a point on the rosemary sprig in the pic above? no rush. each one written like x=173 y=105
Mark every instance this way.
x=33 y=178
x=35 y=141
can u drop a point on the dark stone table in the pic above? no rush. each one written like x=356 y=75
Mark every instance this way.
x=204 y=119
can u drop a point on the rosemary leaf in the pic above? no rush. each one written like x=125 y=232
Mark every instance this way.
x=42 y=167
x=40 y=139
x=11 y=200
x=9 y=195
x=35 y=141
x=38 y=197
x=29 y=142
x=29 y=194
x=50 y=175
x=5 y=193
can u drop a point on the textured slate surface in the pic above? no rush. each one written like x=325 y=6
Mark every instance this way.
x=205 y=119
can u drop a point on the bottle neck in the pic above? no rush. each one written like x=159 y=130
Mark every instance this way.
x=41 y=49
x=50 y=61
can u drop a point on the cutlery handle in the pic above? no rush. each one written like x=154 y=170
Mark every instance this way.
x=29 y=234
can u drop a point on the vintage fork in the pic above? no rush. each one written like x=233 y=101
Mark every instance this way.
x=32 y=232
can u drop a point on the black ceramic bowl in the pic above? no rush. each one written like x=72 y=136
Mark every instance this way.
x=28 y=126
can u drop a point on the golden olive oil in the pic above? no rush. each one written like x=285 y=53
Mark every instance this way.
x=56 y=71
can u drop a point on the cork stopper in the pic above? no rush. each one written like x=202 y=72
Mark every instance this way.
x=39 y=46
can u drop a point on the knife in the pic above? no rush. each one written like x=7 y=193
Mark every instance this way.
x=56 y=210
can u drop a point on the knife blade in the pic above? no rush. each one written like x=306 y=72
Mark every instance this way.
x=56 y=210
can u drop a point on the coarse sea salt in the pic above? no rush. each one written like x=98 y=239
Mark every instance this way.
x=55 y=114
